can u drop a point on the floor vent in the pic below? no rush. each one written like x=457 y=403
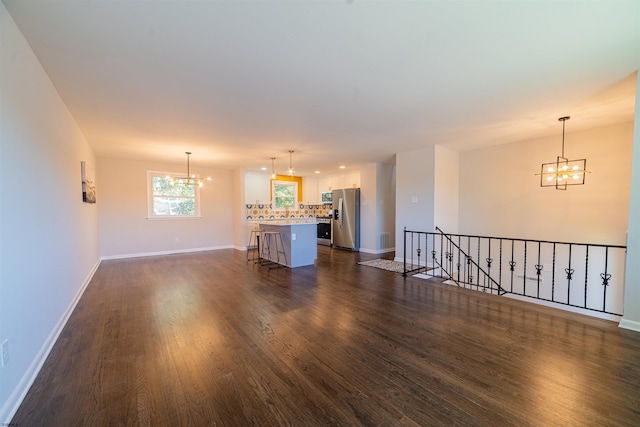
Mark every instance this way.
x=385 y=240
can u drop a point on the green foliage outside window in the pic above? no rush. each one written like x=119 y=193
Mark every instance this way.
x=178 y=199
x=284 y=195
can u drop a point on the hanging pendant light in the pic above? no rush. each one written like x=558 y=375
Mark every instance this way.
x=291 y=171
x=190 y=179
x=563 y=172
x=273 y=169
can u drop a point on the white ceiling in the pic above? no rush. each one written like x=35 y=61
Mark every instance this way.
x=237 y=82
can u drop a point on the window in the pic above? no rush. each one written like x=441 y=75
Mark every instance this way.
x=285 y=194
x=166 y=201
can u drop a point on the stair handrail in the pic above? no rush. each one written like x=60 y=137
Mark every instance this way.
x=500 y=289
x=446 y=272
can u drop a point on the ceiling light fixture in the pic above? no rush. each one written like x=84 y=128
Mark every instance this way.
x=563 y=172
x=291 y=171
x=190 y=179
x=273 y=169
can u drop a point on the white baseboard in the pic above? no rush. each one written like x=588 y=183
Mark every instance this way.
x=565 y=307
x=632 y=325
x=18 y=394
x=170 y=252
x=377 y=251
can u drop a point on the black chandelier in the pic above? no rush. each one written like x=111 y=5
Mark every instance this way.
x=190 y=179
x=563 y=172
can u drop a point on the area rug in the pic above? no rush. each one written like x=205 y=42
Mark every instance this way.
x=387 y=264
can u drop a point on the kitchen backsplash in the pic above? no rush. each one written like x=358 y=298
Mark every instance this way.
x=266 y=211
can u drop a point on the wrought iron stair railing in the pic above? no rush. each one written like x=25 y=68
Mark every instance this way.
x=585 y=276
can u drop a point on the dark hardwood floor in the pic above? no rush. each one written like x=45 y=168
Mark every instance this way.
x=208 y=339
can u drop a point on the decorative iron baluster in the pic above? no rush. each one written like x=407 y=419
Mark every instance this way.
x=605 y=279
x=478 y=258
x=586 y=275
x=512 y=264
x=500 y=269
x=404 y=255
x=489 y=264
x=538 y=268
x=459 y=251
x=441 y=249
x=553 y=274
x=524 y=275
x=463 y=265
x=569 y=272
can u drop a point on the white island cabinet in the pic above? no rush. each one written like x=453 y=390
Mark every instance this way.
x=299 y=240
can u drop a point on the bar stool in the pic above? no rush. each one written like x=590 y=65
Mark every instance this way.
x=253 y=247
x=273 y=239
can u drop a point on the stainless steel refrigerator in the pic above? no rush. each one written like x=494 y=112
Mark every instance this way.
x=345 y=223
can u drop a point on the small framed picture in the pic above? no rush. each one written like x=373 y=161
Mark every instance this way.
x=88 y=184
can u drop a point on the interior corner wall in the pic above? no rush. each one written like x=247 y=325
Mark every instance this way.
x=415 y=182
x=446 y=176
x=368 y=208
x=631 y=318
x=377 y=208
x=48 y=236
x=386 y=188
x=124 y=228
x=240 y=227
x=500 y=195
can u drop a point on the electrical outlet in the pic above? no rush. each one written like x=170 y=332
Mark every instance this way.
x=293 y=236
x=4 y=357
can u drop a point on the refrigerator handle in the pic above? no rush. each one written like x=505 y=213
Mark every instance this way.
x=341 y=217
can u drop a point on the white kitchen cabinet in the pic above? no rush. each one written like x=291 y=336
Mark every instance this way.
x=335 y=182
x=328 y=183
x=310 y=191
x=257 y=187
x=352 y=180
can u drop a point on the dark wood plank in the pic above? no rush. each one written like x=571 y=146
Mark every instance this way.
x=208 y=339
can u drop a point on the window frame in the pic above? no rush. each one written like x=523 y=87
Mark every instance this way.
x=151 y=215
x=293 y=184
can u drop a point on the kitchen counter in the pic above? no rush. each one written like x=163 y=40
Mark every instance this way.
x=299 y=240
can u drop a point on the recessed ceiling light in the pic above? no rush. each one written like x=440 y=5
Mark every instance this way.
x=342 y=166
x=317 y=171
x=264 y=168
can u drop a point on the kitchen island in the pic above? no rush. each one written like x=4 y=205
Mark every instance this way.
x=299 y=240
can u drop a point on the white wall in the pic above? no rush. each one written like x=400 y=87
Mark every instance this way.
x=377 y=207
x=446 y=177
x=631 y=318
x=386 y=188
x=240 y=228
x=415 y=193
x=368 y=210
x=125 y=229
x=500 y=196
x=48 y=236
